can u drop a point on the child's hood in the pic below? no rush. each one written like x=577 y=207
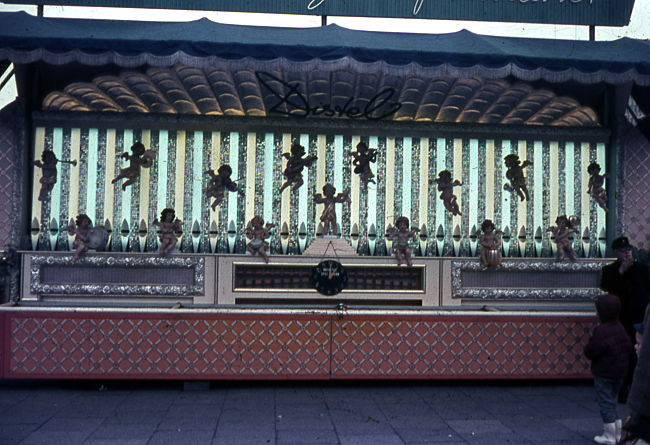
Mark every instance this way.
x=608 y=307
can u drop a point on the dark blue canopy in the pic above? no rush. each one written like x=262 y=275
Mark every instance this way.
x=25 y=38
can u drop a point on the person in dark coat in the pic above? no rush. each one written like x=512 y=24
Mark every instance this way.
x=629 y=280
x=609 y=350
x=636 y=430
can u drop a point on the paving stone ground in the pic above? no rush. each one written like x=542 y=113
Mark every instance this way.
x=298 y=413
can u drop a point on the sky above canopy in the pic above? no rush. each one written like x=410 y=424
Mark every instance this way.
x=638 y=28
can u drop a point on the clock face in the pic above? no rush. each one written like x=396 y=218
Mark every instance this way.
x=329 y=277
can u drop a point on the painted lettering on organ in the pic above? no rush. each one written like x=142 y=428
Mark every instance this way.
x=291 y=102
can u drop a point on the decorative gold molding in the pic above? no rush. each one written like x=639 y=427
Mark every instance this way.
x=514 y=294
x=38 y=262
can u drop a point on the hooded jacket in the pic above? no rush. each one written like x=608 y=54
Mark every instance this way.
x=609 y=347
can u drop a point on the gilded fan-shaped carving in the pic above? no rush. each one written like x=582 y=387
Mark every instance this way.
x=433 y=98
x=410 y=97
x=224 y=87
x=249 y=92
x=553 y=110
x=485 y=96
x=461 y=92
x=342 y=87
x=199 y=90
x=319 y=88
x=123 y=95
x=89 y=93
x=321 y=93
x=388 y=83
x=296 y=93
x=578 y=117
x=367 y=88
x=148 y=92
x=506 y=102
x=64 y=102
x=170 y=85
x=528 y=106
x=273 y=89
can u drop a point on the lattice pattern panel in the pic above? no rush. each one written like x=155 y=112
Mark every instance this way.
x=114 y=346
x=637 y=183
x=7 y=177
x=469 y=347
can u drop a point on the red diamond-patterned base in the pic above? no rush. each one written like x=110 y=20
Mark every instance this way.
x=461 y=346
x=49 y=344
x=132 y=345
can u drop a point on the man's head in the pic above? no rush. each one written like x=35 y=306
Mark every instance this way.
x=622 y=249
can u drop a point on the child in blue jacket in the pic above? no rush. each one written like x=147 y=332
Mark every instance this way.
x=609 y=350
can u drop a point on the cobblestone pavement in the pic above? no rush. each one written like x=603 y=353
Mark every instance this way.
x=298 y=413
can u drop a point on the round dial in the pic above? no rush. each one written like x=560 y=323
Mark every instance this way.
x=329 y=277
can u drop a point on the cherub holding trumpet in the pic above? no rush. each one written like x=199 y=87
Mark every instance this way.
x=47 y=164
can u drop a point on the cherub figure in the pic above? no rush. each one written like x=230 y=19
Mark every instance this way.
x=257 y=232
x=328 y=217
x=219 y=183
x=49 y=173
x=169 y=225
x=595 y=185
x=81 y=233
x=362 y=159
x=515 y=174
x=400 y=235
x=295 y=164
x=140 y=158
x=565 y=226
x=446 y=189
x=490 y=241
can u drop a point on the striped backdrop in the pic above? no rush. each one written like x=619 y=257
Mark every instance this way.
x=404 y=170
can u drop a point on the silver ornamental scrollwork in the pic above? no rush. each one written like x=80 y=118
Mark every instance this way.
x=181 y=262
x=519 y=294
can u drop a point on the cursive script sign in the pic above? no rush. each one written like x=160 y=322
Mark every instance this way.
x=417 y=4
x=290 y=101
x=570 y=12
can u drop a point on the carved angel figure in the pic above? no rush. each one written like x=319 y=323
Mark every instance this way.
x=81 y=232
x=219 y=183
x=446 y=189
x=400 y=235
x=140 y=158
x=595 y=185
x=328 y=217
x=490 y=240
x=564 y=227
x=362 y=159
x=257 y=232
x=295 y=164
x=169 y=225
x=515 y=174
x=47 y=164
